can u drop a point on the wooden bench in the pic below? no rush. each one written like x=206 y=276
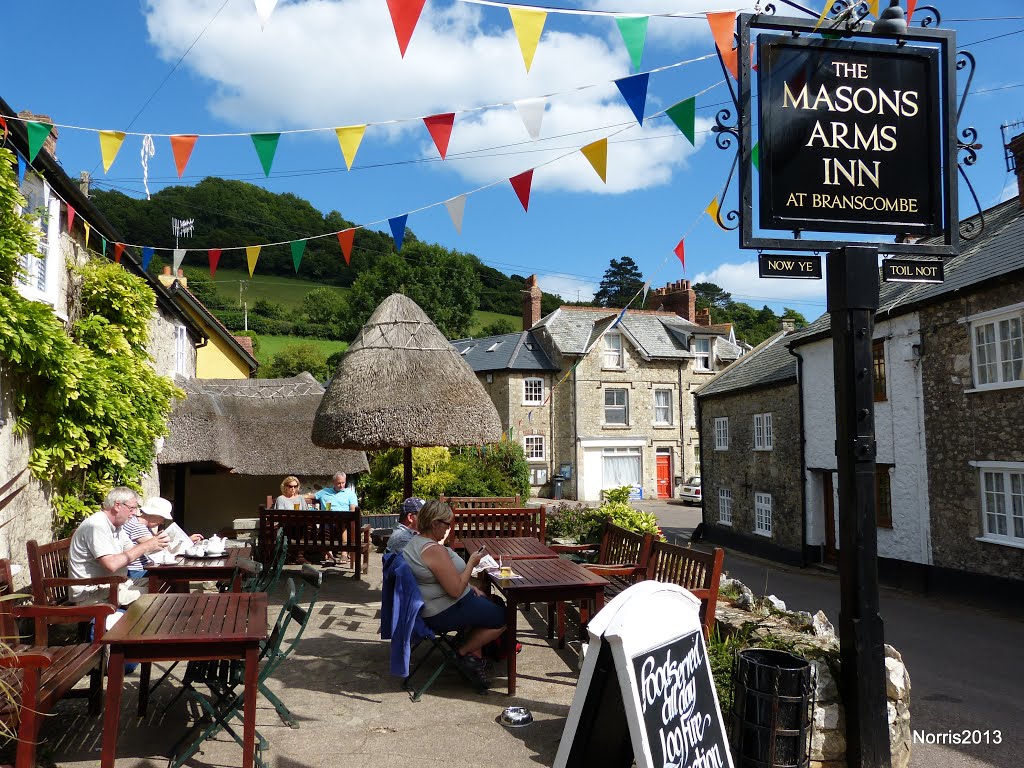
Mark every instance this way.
x=481 y=502
x=499 y=522
x=311 y=529
x=697 y=571
x=39 y=675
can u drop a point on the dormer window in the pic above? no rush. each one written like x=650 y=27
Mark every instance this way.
x=702 y=354
x=613 y=354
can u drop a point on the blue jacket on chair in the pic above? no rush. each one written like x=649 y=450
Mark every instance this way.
x=400 y=620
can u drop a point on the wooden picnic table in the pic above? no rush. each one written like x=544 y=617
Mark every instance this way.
x=544 y=580
x=185 y=627
x=517 y=548
x=175 y=577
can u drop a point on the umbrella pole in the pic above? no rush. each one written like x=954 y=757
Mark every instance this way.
x=407 y=472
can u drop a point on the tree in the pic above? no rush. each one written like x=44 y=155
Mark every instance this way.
x=323 y=305
x=498 y=327
x=293 y=360
x=711 y=295
x=621 y=282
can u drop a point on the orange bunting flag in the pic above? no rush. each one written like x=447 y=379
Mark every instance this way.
x=910 y=9
x=723 y=24
x=440 y=127
x=349 y=138
x=182 y=146
x=404 y=15
x=110 y=145
x=118 y=250
x=346 y=238
x=252 y=253
x=597 y=154
x=521 y=184
x=71 y=218
x=214 y=261
x=528 y=25
x=680 y=251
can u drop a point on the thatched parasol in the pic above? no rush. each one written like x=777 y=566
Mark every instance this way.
x=401 y=384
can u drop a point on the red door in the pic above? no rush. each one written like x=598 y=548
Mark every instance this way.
x=664 y=476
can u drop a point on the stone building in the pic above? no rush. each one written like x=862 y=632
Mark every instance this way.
x=601 y=399
x=749 y=416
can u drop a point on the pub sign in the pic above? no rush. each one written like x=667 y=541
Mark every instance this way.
x=850 y=136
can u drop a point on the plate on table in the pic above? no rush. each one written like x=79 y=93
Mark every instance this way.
x=207 y=556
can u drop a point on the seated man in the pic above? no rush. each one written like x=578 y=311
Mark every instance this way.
x=406 y=524
x=337 y=498
x=100 y=547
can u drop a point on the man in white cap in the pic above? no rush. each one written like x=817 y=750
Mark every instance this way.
x=406 y=524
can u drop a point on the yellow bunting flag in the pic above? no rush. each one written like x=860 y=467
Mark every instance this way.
x=110 y=144
x=349 y=138
x=88 y=229
x=712 y=211
x=824 y=13
x=528 y=25
x=597 y=154
x=252 y=253
x=873 y=7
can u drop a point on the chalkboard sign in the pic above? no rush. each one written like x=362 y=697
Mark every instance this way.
x=645 y=692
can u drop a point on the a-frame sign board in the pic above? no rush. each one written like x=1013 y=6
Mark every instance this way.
x=645 y=692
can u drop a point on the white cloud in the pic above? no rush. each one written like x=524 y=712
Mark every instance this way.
x=568 y=287
x=322 y=64
x=742 y=281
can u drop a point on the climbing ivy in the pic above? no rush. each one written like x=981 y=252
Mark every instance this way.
x=87 y=397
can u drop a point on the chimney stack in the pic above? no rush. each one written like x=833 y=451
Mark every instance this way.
x=787 y=324
x=1016 y=147
x=167 y=279
x=676 y=297
x=531 y=303
x=703 y=317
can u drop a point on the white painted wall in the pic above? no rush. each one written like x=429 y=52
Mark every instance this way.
x=899 y=434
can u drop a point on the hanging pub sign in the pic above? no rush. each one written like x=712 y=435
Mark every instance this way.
x=789 y=265
x=912 y=271
x=855 y=134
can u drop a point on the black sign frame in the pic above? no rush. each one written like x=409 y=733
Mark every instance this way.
x=943 y=41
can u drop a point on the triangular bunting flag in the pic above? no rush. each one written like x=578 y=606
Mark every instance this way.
x=349 y=138
x=88 y=229
x=110 y=145
x=104 y=246
x=712 y=211
x=723 y=24
x=634 y=35
x=643 y=299
x=252 y=253
x=755 y=156
x=118 y=250
x=911 y=4
x=298 y=247
x=634 y=91
x=71 y=218
x=21 y=170
x=182 y=146
x=824 y=13
x=456 y=209
x=597 y=154
x=684 y=115
x=440 y=127
x=680 y=251
x=521 y=184
x=528 y=25
x=398 y=230
x=266 y=147
x=531 y=111
x=147 y=256
x=179 y=256
x=37 y=134
x=873 y=7
x=404 y=15
x=214 y=261
x=263 y=9
x=3 y=139
x=345 y=239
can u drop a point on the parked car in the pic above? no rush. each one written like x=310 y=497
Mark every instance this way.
x=691 y=490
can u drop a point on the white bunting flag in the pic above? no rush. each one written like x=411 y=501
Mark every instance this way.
x=532 y=112
x=179 y=256
x=456 y=209
x=263 y=9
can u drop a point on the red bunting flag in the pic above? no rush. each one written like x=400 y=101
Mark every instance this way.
x=681 y=253
x=910 y=9
x=346 y=238
x=214 y=261
x=521 y=184
x=440 y=127
x=182 y=147
x=404 y=15
x=71 y=218
x=118 y=250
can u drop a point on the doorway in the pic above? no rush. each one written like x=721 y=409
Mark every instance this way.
x=664 y=463
x=831 y=556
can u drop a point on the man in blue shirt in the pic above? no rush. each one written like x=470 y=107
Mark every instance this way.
x=338 y=498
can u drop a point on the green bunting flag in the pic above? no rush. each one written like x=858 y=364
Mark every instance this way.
x=634 y=35
x=298 y=247
x=755 y=156
x=684 y=116
x=266 y=147
x=37 y=134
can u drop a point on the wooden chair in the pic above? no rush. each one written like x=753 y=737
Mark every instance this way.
x=697 y=571
x=364 y=533
x=498 y=521
x=481 y=502
x=51 y=583
x=39 y=675
x=310 y=529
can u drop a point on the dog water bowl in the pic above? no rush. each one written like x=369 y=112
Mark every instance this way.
x=515 y=717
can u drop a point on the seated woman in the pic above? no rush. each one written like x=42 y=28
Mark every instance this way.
x=290 y=497
x=449 y=601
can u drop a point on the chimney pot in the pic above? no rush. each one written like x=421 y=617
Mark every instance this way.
x=1016 y=147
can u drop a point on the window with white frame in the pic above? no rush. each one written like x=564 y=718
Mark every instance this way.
x=696 y=459
x=663 y=406
x=181 y=346
x=763 y=514
x=616 y=406
x=37 y=279
x=725 y=506
x=998 y=346
x=613 y=354
x=533 y=391
x=621 y=466
x=722 y=433
x=1002 y=503
x=762 y=431
x=534 y=447
x=702 y=354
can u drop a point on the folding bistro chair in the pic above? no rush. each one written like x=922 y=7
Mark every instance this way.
x=402 y=624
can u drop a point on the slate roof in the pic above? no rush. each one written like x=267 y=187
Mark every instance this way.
x=507 y=352
x=998 y=251
x=769 y=363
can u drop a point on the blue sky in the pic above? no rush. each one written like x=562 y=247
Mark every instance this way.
x=207 y=67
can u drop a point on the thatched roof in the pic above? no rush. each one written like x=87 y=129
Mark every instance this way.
x=253 y=427
x=401 y=384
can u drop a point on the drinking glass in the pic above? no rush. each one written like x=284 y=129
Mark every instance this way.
x=328 y=506
x=296 y=506
x=504 y=567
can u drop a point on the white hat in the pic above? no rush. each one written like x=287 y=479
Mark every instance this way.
x=157 y=506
